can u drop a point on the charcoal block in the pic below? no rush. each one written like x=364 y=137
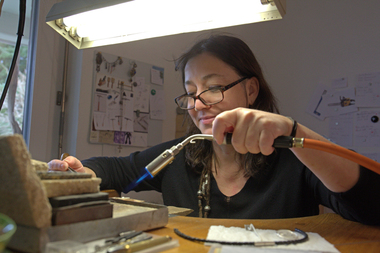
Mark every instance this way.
x=81 y=214
x=69 y=200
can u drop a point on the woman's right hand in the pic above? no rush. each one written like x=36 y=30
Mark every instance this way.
x=63 y=165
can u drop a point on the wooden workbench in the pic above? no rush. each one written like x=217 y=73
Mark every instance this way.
x=346 y=236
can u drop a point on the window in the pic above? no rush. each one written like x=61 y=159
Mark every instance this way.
x=12 y=111
x=11 y=114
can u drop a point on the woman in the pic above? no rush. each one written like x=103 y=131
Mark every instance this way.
x=226 y=92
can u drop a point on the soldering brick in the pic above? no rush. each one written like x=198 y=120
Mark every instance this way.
x=64 y=187
x=39 y=166
x=69 y=200
x=22 y=196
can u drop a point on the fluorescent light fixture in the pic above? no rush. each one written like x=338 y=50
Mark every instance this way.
x=93 y=23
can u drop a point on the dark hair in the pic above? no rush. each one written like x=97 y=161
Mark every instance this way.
x=239 y=56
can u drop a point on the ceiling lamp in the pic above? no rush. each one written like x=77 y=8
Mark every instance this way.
x=93 y=23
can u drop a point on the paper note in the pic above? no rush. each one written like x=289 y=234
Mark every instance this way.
x=106 y=136
x=341 y=128
x=367 y=129
x=140 y=139
x=157 y=104
x=141 y=122
x=157 y=75
x=141 y=96
x=317 y=106
x=340 y=102
x=339 y=83
x=368 y=90
x=128 y=104
x=327 y=102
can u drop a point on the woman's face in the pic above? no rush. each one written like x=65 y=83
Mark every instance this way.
x=205 y=71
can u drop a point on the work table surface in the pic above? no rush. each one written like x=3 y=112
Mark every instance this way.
x=346 y=236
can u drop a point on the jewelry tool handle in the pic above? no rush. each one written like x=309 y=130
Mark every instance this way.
x=138 y=246
x=63 y=157
x=293 y=142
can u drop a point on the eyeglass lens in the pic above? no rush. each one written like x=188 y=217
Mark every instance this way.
x=208 y=97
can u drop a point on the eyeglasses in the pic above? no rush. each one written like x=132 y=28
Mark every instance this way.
x=211 y=96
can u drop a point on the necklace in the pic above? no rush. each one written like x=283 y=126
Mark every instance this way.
x=204 y=194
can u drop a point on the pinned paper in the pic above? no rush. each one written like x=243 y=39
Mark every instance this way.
x=368 y=90
x=339 y=83
x=157 y=75
x=367 y=129
x=127 y=116
x=157 y=104
x=327 y=102
x=317 y=106
x=141 y=92
x=341 y=128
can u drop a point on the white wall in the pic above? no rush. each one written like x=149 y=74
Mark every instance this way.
x=317 y=41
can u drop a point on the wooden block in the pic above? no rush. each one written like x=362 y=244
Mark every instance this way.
x=64 y=187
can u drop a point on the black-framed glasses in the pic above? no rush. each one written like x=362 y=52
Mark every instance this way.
x=211 y=96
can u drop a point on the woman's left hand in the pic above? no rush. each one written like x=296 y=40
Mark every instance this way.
x=254 y=131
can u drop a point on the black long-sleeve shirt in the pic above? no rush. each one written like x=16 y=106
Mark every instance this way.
x=284 y=189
